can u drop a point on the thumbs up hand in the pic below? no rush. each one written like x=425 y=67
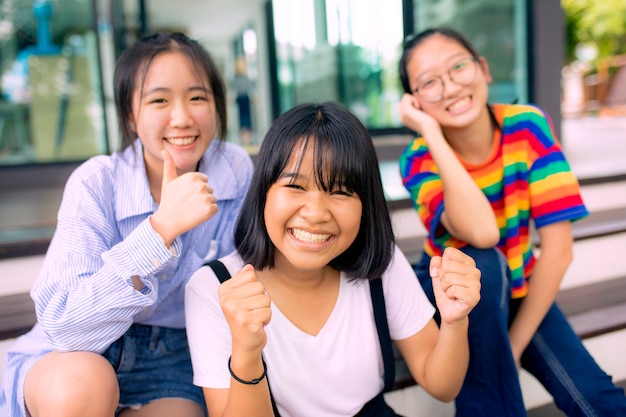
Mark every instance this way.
x=186 y=201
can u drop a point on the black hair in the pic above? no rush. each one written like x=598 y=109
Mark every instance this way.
x=344 y=154
x=132 y=67
x=414 y=40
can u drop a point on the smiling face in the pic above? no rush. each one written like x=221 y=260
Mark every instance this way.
x=174 y=110
x=460 y=105
x=309 y=226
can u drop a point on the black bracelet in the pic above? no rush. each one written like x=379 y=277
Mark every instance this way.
x=254 y=381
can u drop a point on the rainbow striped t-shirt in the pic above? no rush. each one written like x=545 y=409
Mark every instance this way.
x=526 y=177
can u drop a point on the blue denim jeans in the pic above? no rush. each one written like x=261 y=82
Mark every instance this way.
x=555 y=356
x=151 y=363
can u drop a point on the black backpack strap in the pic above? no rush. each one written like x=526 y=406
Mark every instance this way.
x=220 y=270
x=222 y=275
x=386 y=346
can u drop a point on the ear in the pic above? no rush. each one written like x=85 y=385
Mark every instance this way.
x=484 y=66
x=131 y=124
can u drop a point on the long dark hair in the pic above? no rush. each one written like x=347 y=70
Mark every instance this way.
x=134 y=63
x=344 y=154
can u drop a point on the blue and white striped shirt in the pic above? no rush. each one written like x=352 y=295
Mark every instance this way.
x=84 y=295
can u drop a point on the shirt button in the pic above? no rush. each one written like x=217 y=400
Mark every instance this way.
x=164 y=277
x=156 y=262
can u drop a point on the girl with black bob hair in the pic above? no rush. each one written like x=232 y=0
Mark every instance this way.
x=343 y=156
x=319 y=292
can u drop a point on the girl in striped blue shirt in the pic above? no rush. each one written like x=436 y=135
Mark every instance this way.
x=110 y=337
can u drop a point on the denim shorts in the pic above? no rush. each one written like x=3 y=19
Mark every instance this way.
x=151 y=363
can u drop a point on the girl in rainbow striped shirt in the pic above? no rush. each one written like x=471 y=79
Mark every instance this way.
x=480 y=176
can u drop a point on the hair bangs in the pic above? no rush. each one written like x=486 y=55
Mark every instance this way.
x=344 y=158
x=336 y=161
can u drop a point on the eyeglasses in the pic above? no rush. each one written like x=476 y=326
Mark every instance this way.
x=462 y=72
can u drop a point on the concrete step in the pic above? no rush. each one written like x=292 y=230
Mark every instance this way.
x=598 y=259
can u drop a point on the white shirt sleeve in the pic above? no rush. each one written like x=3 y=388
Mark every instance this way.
x=208 y=333
x=408 y=308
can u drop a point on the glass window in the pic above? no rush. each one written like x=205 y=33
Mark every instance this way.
x=51 y=107
x=497 y=28
x=340 y=50
x=348 y=50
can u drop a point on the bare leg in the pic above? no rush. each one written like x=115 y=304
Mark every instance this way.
x=166 y=407
x=67 y=384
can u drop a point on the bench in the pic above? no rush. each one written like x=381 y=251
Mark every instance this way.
x=17 y=315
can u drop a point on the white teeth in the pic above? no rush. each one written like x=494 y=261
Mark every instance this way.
x=181 y=141
x=459 y=103
x=309 y=237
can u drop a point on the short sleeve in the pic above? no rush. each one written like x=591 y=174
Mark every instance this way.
x=554 y=189
x=408 y=308
x=207 y=331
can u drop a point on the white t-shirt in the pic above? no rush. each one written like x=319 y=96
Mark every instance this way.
x=332 y=374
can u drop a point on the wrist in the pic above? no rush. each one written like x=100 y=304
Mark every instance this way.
x=158 y=229
x=242 y=378
x=166 y=242
x=461 y=325
x=433 y=134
